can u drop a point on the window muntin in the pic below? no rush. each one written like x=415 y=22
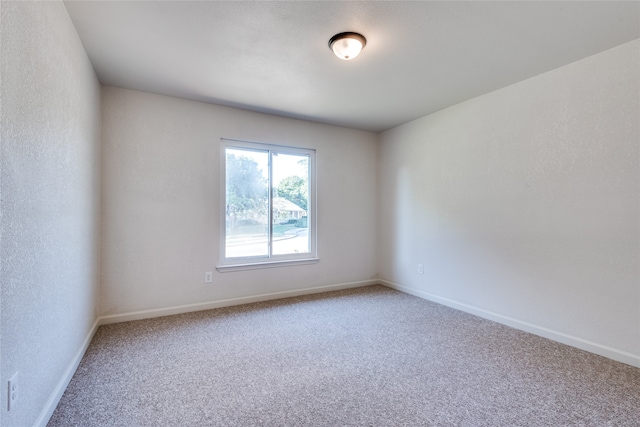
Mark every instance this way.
x=268 y=198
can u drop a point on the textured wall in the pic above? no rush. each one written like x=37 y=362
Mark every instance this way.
x=525 y=202
x=161 y=202
x=50 y=201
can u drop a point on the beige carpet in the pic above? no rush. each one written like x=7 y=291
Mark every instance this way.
x=363 y=357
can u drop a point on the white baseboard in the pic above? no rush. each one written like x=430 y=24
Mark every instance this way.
x=55 y=397
x=592 y=347
x=168 y=311
x=58 y=391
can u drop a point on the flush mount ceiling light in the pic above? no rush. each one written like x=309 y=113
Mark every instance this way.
x=347 y=45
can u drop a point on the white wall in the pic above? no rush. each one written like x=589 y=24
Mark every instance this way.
x=161 y=202
x=50 y=170
x=524 y=204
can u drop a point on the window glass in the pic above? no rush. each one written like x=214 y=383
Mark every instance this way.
x=290 y=204
x=247 y=203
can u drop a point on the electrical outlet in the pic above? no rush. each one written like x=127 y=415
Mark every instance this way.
x=208 y=277
x=13 y=391
x=420 y=269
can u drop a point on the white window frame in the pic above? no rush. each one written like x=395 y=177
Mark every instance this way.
x=269 y=261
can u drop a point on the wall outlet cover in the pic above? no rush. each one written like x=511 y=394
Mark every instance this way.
x=12 y=396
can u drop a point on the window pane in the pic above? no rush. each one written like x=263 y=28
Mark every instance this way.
x=290 y=204
x=247 y=203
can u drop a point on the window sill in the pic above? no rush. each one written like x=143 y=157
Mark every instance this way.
x=269 y=264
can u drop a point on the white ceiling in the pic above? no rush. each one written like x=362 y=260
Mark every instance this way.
x=273 y=56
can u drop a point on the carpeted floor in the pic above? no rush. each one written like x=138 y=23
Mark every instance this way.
x=365 y=357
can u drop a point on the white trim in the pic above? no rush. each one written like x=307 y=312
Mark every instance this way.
x=58 y=391
x=168 y=311
x=56 y=395
x=312 y=222
x=268 y=264
x=582 y=344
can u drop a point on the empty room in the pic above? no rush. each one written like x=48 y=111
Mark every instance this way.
x=319 y=213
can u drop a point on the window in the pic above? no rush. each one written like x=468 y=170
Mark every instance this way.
x=269 y=205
